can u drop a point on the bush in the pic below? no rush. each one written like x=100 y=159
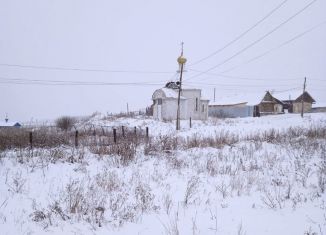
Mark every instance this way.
x=65 y=123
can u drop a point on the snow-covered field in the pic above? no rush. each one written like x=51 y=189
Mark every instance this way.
x=233 y=176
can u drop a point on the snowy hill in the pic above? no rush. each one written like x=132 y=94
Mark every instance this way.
x=224 y=176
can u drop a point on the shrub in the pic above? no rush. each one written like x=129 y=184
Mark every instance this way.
x=65 y=123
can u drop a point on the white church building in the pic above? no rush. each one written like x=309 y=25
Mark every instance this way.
x=192 y=105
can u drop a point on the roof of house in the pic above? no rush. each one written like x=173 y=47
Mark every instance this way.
x=306 y=97
x=166 y=92
x=9 y=124
x=269 y=98
x=295 y=96
x=234 y=99
x=171 y=93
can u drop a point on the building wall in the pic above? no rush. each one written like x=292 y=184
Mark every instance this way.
x=204 y=114
x=297 y=106
x=278 y=108
x=266 y=107
x=170 y=107
x=270 y=108
x=191 y=96
x=156 y=112
x=187 y=106
x=231 y=111
x=201 y=113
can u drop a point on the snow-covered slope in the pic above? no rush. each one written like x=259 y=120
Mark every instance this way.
x=269 y=179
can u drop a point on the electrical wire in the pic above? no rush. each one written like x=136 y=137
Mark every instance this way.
x=255 y=42
x=277 y=47
x=240 y=35
x=237 y=85
x=244 y=78
x=19 y=81
x=67 y=84
x=84 y=70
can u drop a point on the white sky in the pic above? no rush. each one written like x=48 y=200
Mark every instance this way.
x=145 y=35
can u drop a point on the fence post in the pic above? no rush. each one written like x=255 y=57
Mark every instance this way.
x=76 y=139
x=147 y=132
x=190 y=122
x=31 y=139
x=115 y=135
x=123 y=131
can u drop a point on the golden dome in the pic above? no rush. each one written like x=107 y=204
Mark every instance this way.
x=181 y=60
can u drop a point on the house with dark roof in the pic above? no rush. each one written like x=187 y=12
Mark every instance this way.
x=7 y=124
x=304 y=99
x=270 y=105
x=295 y=105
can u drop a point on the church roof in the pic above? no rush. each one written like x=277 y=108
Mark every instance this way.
x=171 y=93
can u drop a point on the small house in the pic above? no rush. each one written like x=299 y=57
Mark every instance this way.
x=192 y=104
x=270 y=105
x=7 y=124
x=305 y=99
x=295 y=105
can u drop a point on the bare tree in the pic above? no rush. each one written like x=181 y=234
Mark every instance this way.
x=65 y=123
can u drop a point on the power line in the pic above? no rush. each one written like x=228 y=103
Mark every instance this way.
x=83 y=70
x=244 y=78
x=68 y=81
x=173 y=77
x=73 y=84
x=282 y=91
x=255 y=42
x=240 y=35
x=277 y=47
x=19 y=81
x=238 y=85
x=241 y=88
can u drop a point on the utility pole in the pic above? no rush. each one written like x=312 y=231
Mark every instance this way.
x=214 y=93
x=304 y=89
x=181 y=60
x=127 y=108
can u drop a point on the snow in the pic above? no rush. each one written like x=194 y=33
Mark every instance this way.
x=241 y=126
x=171 y=93
x=319 y=104
x=249 y=99
x=248 y=173
x=8 y=124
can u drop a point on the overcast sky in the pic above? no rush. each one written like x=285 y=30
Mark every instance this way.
x=145 y=36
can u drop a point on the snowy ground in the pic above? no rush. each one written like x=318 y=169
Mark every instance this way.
x=256 y=176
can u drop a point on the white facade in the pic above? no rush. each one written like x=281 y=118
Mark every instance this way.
x=192 y=105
